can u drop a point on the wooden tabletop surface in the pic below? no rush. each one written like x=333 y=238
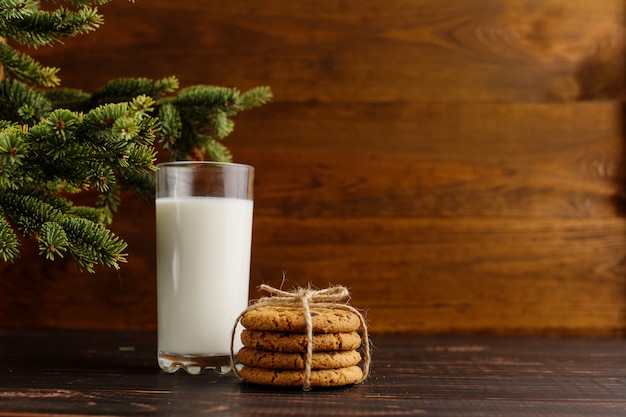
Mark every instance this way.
x=111 y=373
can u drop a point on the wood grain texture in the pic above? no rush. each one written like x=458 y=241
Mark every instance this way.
x=458 y=165
x=86 y=373
x=362 y=51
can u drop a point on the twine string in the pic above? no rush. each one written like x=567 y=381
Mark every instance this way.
x=308 y=298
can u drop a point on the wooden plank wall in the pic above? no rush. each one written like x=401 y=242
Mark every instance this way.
x=458 y=164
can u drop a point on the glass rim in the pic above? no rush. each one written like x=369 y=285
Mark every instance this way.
x=190 y=164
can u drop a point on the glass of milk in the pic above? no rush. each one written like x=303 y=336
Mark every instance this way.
x=204 y=235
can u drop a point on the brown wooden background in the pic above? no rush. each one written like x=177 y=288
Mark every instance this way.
x=458 y=164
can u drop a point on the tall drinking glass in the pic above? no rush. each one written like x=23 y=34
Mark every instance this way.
x=204 y=235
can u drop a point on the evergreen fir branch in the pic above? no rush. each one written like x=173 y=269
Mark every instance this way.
x=141 y=184
x=125 y=129
x=219 y=99
x=43 y=28
x=91 y=244
x=216 y=151
x=12 y=152
x=193 y=122
x=99 y=123
x=21 y=104
x=59 y=159
x=148 y=130
x=101 y=176
x=12 y=146
x=62 y=125
x=71 y=23
x=55 y=201
x=61 y=153
x=27 y=211
x=88 y=242
x=139 y=159
x=68 y=98
x=23 y=68
x=127 y=89
x=204 y=112
x=9 y=242
x=222 y=125
x=52 y=241
x=109 y=201
x=69 y=173
x=93 y=150
x=171 y=126
x=16 y=9
x=142 y=105
x=100 y=215
x=255 y=97
x=125 y=132
x=84 y=2
x=96 y=150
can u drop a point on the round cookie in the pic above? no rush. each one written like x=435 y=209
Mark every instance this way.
x=318 y=378
x=297 y=342
x=282 y=360
x=292 y=319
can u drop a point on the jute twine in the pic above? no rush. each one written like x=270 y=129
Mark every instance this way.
x=308 y=298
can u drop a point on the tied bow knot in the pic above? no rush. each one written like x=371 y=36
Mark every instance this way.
x=326 y=296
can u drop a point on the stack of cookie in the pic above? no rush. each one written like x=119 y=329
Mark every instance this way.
x=275 y=345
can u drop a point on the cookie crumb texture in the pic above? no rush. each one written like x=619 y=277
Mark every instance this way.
x=292 y=319
x=297 y=342
x=297 y=361
x=290 y=378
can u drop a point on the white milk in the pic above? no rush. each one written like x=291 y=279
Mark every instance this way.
x=203 y=269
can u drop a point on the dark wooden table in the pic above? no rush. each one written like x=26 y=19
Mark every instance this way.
x=96 y=373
